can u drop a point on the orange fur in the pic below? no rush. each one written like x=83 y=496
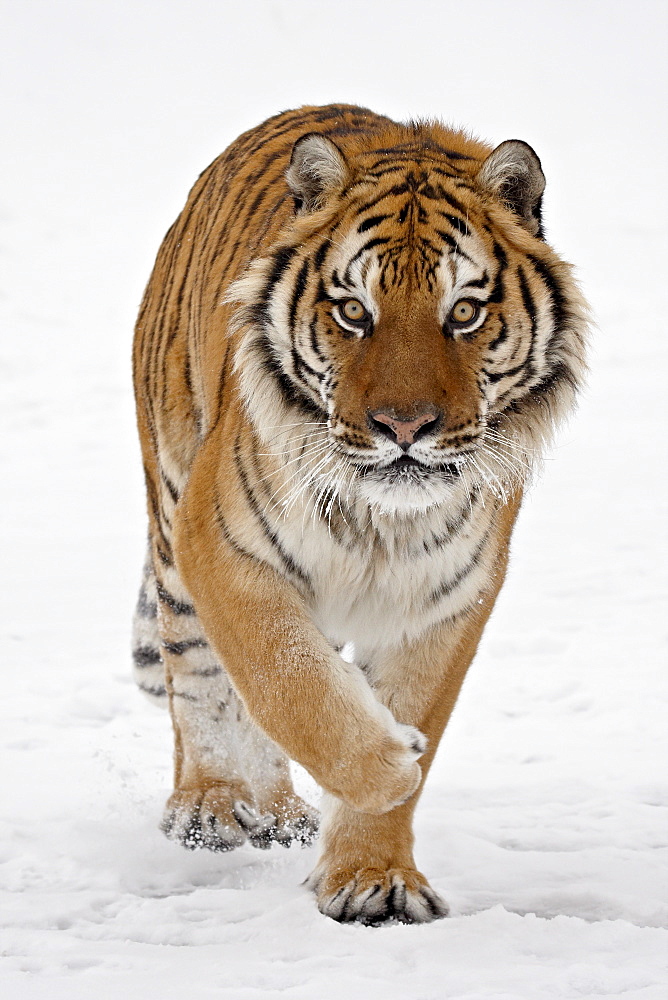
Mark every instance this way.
x=276 y=531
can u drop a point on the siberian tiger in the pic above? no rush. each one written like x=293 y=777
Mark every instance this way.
x=353 y=348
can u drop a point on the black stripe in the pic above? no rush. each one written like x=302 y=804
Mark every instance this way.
x=227 y=534
x=231 y=259
x=282 y=261
x=428 y=248
x=291 y=391
x=159 y=691
x=337 y=530
x=479 y=282
x=164 y=558
x=175 y=237
x=302 y=369
x=453 y=244
x=452 y=201
x=313 y=332
x=184 y=695
x=178 y=607
x=213 y=671
x=157 y=511
x=498 y=289
x=383 y=167
x=452 y=155
x=501 y=336
x=559 y=306
x=336 y=281
x=178 y=648
x=527 y=297
x=321 y=253
x=220 y=396
x=530 y=306
x=560 y=373
x=497 y=376
x=454 y=172
x=375 y=201
x=448 y=586
x=369 y=245
x=288 y=561
x=454 y=525
x=299 y=289
x=374 y=220
x=146 y=656
x=457 y=223
x=175 y=324
x=400 y=151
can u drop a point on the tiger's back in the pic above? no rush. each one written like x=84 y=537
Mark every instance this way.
x=353 y=346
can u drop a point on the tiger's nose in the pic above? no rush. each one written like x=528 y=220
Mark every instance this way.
x=404 y=430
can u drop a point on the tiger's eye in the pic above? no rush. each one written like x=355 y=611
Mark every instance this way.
x=354 y=311
x=463 y=311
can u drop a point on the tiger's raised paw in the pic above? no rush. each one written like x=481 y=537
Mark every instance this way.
x=375 y=896
x=205 y=818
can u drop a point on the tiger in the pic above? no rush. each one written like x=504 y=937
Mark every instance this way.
x=352 y=352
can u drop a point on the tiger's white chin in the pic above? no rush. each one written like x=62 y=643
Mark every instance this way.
x=405 y=494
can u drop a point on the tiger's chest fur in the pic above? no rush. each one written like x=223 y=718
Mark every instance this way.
x=375 y=579
x=400 y=584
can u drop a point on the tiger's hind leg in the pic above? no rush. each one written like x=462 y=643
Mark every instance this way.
x=268 y=772
x=231 y=782
x=148 y=667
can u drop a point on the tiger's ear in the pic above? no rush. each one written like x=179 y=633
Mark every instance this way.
x=317 y=168
x=514 y=174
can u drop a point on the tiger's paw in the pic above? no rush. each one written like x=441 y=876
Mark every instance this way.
x=375 y=896
x=289 y=821
x=201 y=818
x=296 y=821
x=414 y=741
x=387 y=774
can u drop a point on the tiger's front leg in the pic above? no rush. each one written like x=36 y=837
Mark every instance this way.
x=366 y=871
x=231 y=783
x=319 y=709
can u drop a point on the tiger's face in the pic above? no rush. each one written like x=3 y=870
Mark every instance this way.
x=407 y=324
x=419 y=325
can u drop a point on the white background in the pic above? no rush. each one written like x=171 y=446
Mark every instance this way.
x=545 y=815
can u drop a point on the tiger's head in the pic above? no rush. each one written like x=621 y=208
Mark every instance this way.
x=411 y=323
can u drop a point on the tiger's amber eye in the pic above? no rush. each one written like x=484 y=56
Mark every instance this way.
x=463 y=311
x=354 y=311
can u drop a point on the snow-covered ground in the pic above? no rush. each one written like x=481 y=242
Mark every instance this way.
x=545 y=816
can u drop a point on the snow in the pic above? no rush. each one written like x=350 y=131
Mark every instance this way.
x=544 y=820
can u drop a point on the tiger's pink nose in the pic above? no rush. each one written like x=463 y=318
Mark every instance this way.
x=404 y=430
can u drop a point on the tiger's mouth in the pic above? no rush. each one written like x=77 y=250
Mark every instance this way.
x=406 y=462
x=406 y=468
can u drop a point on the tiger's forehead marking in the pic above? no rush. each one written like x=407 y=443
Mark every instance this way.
x=413 y=233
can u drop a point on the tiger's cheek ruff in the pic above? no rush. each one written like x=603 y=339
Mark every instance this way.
x=351 y=354
x=284 y=371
